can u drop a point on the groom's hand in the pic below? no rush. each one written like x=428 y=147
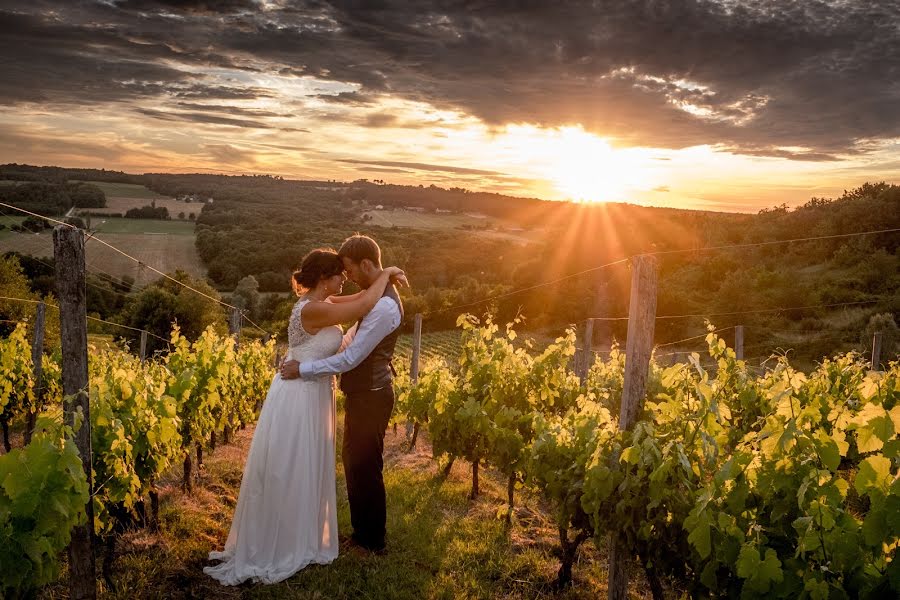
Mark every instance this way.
x=290 y=369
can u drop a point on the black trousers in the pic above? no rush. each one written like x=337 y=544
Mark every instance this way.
x=366 y=419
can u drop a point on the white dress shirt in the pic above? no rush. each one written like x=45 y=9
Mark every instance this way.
x=383 y=319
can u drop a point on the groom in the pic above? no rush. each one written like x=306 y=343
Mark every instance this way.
x=367 y=383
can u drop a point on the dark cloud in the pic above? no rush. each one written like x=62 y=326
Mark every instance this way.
x=761 y=78
x=346 y=98
x=788 y=154
x=233 y=110
x=189 y=6
x=377 y=120
x=214 y=92
x=385 y=170
x=198 y=117
x=228 y=154
x=421 y=166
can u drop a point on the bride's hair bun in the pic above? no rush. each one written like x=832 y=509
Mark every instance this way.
x=319 y=264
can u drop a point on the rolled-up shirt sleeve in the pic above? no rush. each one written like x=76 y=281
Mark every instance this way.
x=377 y=325
x=348 y=337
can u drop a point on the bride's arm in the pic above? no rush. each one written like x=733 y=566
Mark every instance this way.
x=347 y=298
x=316 y=315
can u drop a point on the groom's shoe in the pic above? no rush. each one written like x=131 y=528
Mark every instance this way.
x=378 y=549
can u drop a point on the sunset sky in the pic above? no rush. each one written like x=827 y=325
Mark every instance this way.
x=722 y=105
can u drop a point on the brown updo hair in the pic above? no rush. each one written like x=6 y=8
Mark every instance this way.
x=319 y=264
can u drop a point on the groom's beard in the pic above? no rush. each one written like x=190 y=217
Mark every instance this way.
x=368 y=280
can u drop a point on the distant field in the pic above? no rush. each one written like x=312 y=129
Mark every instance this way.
x=425 y=220
x=120 y=197
x=125 y=190
x=9 y=222
x=158 y=245
x=120 y=205
x=120 y=225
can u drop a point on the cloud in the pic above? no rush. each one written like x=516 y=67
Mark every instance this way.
x=799 y=155
x=421 y=166
x=229 y=155
x=199 y=117
x=755 y=78
x=235 y=110
x=346 y=98
x=377 y=120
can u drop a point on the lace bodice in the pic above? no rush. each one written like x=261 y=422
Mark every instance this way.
x=305 y=346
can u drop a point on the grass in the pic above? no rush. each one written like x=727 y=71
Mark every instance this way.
x=441 y=545
x=9 y=221
x=126 y=190
x=145 y=241
x=102 y=226
x=121 y=205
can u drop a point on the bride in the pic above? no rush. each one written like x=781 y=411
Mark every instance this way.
x=286 y=515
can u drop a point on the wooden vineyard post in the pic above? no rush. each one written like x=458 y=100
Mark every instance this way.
x=638 y=348
x=68 y=252
x=143 y=346
x=234 y=327
x=414 y=375
x=587 y=351
x=37 y=356
x=876 y=351
x=739 y=341
x=416 y=349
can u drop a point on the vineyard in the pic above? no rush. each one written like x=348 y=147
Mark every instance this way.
x=730 y=484
x=439 y=345
x=145 y=417
x=712 y=477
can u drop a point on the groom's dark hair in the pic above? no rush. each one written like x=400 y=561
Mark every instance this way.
x=359 y=247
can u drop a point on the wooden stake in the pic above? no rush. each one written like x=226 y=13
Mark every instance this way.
x=638 y=348
x=587 y=351
x=235 y=327
x=639 y=344
x=37 y=363
x=739 y=341
x=68 y=252
x=413 y=429
x=876 y=351
x=143 y=346
x=416 y=350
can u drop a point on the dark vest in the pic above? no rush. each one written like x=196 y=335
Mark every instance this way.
x=375 y=371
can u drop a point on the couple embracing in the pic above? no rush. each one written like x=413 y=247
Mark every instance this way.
x=286 y=515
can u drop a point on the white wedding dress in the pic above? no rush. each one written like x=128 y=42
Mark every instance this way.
x=286 y=515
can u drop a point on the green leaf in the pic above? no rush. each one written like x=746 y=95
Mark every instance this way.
x=632 y=455
x=874 y=427
x=699 y=536
x=818 y=590
x=874 y=527
x=874 y=474
x=770 y=569
x=748 y=561
x=828 y=451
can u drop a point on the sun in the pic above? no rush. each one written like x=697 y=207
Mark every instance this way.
x=585 y=168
